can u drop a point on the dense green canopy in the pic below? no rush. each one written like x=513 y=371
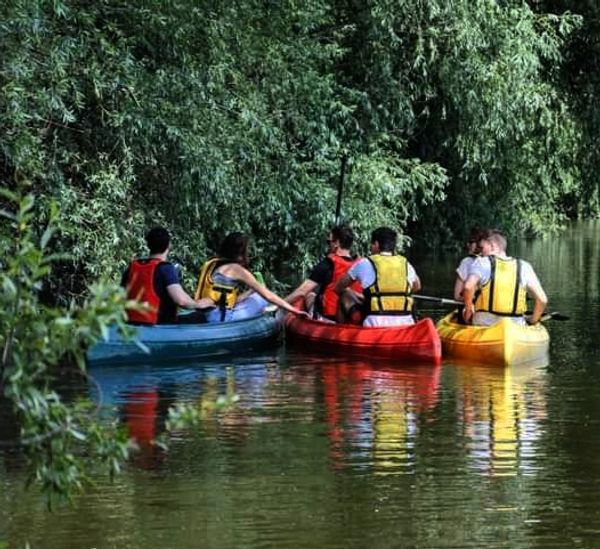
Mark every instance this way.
x=212 y=116
x=209 y=117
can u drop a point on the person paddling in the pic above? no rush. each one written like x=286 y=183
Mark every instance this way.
x=387 y=279
x=473 y=252
x=497 y=286
x=223 y=279
x=154 y=281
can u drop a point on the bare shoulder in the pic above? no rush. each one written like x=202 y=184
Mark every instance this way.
x=235 y=270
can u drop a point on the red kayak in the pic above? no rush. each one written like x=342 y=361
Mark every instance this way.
x=419 y=342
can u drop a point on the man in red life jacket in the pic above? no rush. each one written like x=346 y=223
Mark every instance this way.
x=317 y=289
x=155 y=282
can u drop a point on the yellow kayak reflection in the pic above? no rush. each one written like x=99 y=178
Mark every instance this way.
x=501 y=413
x=373 y=412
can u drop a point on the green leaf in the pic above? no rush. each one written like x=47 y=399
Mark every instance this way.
x=46 y=237
x=7 y=214
x=9 y=288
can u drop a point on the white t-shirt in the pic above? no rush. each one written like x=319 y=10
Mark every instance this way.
x=465 y=266
x=483 y=269
x=364 y=272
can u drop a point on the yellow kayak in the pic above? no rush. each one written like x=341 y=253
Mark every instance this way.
x=503 y=343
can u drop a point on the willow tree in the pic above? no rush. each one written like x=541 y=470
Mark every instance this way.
x=581 y=81
x=472 y=87
x=205 y=117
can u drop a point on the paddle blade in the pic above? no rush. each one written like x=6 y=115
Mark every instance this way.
x=558 y=316
x=550 y=316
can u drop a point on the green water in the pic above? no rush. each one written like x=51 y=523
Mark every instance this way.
x=318 y=452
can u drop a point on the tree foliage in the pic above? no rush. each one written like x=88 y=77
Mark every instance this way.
x=210 y=116
x=34 y=340
x=581 y=81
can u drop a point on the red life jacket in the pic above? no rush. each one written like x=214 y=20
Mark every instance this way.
x=328 y=298
x=140 y=286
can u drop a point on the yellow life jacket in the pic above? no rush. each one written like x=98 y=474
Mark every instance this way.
x=389 y=294
x=503 y=294
x=222 y=293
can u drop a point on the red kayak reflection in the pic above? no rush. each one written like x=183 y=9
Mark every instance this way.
x=374 y=411
x=143 y=411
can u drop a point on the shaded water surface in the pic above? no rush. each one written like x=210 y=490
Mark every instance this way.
x=301 y=450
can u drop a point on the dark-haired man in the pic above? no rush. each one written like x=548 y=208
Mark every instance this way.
x=388 y=281
x=155 y=282
x=318 y=289
x=462 y=271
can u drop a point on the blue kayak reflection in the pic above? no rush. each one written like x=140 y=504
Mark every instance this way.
x=370 y=412
x=142 y=395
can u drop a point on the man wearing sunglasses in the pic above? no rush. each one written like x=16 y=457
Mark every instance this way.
x=318 y=289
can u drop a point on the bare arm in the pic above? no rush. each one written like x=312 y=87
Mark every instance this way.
x=181 y=298
x=416 y=285
x=458 y=288
x=541 y=300
x=343 y=283
x=467 y=295
x=243 y=275
x=306 y=287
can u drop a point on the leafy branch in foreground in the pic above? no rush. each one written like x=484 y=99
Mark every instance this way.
x=63 y=441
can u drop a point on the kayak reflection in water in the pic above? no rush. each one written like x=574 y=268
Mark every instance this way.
x=144 y=411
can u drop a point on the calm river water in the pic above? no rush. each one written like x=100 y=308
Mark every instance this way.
x=297 y=450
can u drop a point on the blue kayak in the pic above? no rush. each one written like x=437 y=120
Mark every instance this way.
x=176 y=341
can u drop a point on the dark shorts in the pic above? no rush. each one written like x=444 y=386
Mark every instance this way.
x=354 y=315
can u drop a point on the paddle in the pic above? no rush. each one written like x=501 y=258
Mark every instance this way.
x=438 y=300
x=338 y=207
x=444 y=301
x=553 y=316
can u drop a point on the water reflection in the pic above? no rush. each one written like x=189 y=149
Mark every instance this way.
x=296 y=452
x=143 y=411
x=225 y=397
x=373 y=413
x=501 y=416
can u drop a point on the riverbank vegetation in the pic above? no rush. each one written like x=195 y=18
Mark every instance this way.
x=36 y=342
x=212 y=117
x=209 y=117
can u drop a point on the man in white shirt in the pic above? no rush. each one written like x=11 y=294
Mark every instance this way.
x=387 y=279
x=462 y=271
x=497 y=286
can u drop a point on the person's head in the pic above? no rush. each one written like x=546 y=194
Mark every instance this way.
x=340 y=236
x=384 y=239
x=235 y=248
x=492 y=242
x=158 y=240
x=498 y=239
x=475 y=235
